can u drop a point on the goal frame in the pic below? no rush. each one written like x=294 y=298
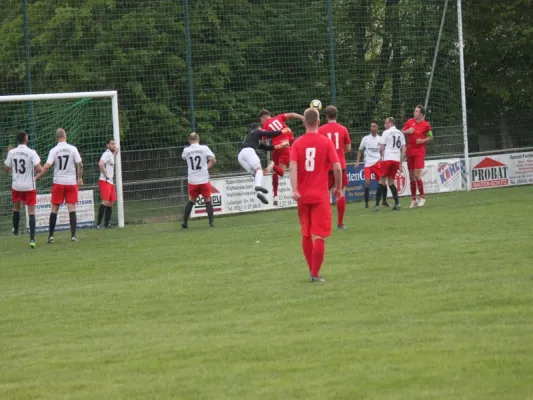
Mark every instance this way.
x=113 y=95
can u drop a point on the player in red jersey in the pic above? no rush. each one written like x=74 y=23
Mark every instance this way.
x=311 y=157
x=340 y=137
x=418 y=133
x=280 y=157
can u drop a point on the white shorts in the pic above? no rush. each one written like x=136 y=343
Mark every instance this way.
x=249 y=160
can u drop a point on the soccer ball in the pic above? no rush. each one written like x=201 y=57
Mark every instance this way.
x=316 y=104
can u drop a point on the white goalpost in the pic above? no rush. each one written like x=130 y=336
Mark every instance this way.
x=112 y=95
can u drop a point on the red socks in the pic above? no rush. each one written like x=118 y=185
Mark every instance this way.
x=341 y=207
x=420 y=185
x=318 y=256
x=278 y=170
x=307 y=245
x=275 y=183
x=413 y=190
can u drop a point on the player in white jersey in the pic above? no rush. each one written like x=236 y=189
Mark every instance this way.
x=105 y=183
x=370 y=145
x=392 y=148
x=22 y=162
x=199 y=160
x=68 y=173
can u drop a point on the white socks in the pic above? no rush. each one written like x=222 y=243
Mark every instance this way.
x=258 y=177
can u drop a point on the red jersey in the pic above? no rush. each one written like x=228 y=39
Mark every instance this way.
x=277 y=123
x=313 y=153
x=340 y=137
x=421 y=132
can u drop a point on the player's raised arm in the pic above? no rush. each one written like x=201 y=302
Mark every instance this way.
x=294 y=116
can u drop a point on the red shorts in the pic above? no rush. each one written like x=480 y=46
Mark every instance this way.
x=107 y=191
x=331 y=179
x=374 y=169
x=415 y=162
x=66 y=193
x=282 y=156
x=203 y=189
x=29 y=197
x=315 y=219
x=389 y=168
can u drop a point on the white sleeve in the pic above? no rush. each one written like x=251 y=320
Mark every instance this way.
x=35 y=159
x=184 y=154
x=209 y=154
x=77 y=157
x=383 y=138
x=402 y=139
x=362 y=145
x=105 y=157
x=50 y=159
x=8 y=160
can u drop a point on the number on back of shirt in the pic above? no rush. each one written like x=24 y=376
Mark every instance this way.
x=20 y=166
x=336 y=141
x=63 y=162
x=197 y=160
x=275 y=125
x=310 y=154
x=396 y=142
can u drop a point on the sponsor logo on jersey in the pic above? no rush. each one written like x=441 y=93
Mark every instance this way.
x=490 y=173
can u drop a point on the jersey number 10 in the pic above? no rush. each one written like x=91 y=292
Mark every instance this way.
x=275 y=125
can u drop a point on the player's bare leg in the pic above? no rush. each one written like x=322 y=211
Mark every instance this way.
x=279 y=170
x=319 y=248
x=31 y=217
x=52 y=222
x=412 y=183
x=73 y=221
x=269 y=168
x=16 y=217
x=394 y=192
x=341 y=208
x=420 y=185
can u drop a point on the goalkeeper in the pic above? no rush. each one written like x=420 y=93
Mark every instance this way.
x=249 y=159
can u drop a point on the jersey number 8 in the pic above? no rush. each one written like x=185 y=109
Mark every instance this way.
x=310 y=154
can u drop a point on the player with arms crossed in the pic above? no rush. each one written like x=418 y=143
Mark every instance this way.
x=392 y=148
x=249 y=159
x=68 y=174
x=280 y=156
x=418 y=133
x=105 y=183
x=370 y=145
x=200 y=159
x=340 y=137
x=311 y=157
x=22 y=162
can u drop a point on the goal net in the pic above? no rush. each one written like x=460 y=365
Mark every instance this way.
x=89 y=122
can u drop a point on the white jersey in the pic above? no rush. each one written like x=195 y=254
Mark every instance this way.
x=197 y=156
x=393 y=139
x=64 y=158
x=22 y=161
x=109 y=164
x=370 y=144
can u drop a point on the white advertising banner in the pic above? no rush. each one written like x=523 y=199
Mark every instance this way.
x=237 y=194
x=84 y=212
x=502 y=170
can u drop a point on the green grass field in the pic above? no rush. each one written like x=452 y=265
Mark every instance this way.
x=434 y=303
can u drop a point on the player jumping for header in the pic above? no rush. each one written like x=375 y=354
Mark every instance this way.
x=22 y=162
x=281 y=155
x=392 y=148
x=200 y=159
x=249 y=159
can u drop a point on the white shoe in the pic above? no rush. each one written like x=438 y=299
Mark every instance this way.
x=275 y=202
x=414 y=204
x=421 y=202
x=269 y=168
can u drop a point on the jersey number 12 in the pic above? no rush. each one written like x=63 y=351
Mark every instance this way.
x=196 y=159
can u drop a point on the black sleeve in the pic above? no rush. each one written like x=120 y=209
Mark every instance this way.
x=268 y=133
x=263 y=146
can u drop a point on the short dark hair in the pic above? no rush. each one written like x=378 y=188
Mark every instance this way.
x=421 y=108
x=374 y=122
x=254 y=126
x=263 y=112
x=21 y=137
x=332 y=112
x=109 y=141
